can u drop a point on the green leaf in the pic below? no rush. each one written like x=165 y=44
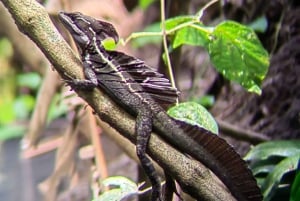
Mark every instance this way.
x=144 y=4
x=7 y=113
x=207 y=101
x=283 y=148
x=109 y=44
x=6 y=49
x=262 y=169
x=23 y=105
x=144 y=40
x=57 y=108
x=188 y=31
x=272 y=181
x=176 y=21
x=259 y=25
x=238 y=54
x=123 y=187
x=194 y=114
x=11 y=131
x=191 y=36
x=295 y=191
x=31 y=80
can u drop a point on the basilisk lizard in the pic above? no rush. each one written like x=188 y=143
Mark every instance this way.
x=141 y=91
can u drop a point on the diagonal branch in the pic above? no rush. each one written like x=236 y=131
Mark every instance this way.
x=32 y=19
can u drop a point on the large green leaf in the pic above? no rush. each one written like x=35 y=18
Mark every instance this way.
x=238 y=54
x=195 y=114
x=272 y=181
x=283 y=148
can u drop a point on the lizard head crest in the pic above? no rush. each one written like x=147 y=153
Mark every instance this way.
x=86 y=30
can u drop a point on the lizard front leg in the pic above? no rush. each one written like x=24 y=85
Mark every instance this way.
x=88 y=83
x=143 y=130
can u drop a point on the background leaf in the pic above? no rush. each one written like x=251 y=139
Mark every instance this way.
x=272 y=181
x=295 y=192
x=142 y=41
x=282 y=148
x=11 y=131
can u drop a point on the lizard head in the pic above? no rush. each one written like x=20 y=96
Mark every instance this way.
x=86 y=30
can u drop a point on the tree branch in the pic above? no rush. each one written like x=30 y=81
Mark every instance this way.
x=32 y=19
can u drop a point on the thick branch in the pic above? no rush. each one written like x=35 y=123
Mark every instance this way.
x=33 y=20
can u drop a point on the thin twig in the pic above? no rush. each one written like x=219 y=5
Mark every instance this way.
x=97 y=145
x=241 y=134
x=165 y=45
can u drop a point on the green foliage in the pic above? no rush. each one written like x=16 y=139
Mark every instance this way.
x=259 y=25
x=144 y=4
x=151 y=39
x=273 y=163
x=6 y=49
x=195 y=114
x=206 y=101
x=30 y=80
x=57 y=108
x=121 y=188
x=295 y=191
x=109 y=44
x=23 y=106
x=234 y=49
x=14 y=106
x=10 y=131
x=238 y=54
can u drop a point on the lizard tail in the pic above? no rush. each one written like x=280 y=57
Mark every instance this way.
x=234 y=172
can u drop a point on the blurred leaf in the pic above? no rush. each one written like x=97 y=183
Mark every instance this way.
x=122 y=187
x=259 y=25
x=194 y=114
x=283 y=148
x=6 y=49
x=238 y=54
x=11 y=131
x=23 y=106
x=273 y=179
x=206 y=101
x=30 y=80
x=142 y=41
x=57 y=108
x=144 y=4
x=7 y=113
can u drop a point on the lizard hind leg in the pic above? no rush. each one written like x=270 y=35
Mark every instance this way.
x=143 y=130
